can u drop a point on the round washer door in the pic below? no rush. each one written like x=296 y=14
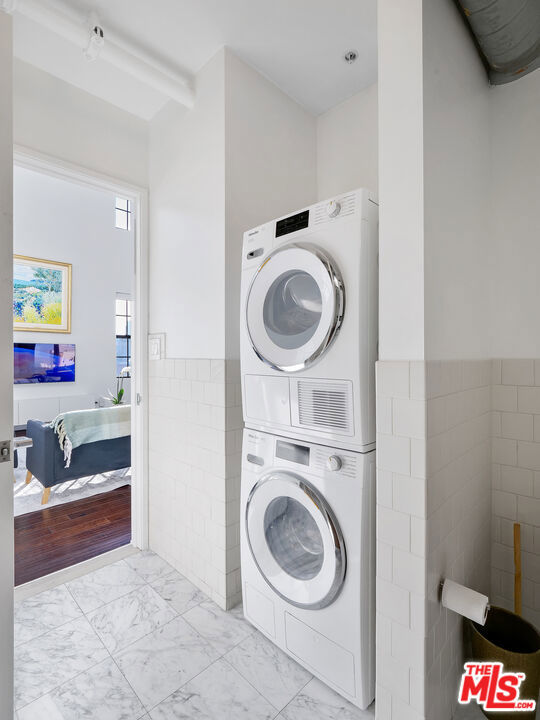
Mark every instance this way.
x=295 y=540
x=294 y=307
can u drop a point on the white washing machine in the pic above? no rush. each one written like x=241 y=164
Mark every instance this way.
x=308 y=326
x=308 y=556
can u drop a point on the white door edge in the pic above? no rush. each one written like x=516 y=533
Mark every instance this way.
x=6 y=367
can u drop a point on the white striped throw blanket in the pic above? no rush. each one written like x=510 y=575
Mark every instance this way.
x=78 y=427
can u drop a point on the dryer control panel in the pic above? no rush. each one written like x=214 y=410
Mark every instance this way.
x=259 y=241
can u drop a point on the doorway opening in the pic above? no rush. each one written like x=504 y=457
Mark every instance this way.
x=79 y=310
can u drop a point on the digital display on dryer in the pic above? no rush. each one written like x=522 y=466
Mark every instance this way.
x=293 y=453
x=292 y=223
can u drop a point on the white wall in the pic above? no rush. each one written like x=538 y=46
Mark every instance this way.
x=270 y=167
x=187 y=220
x=246 y=153
x=401 y=182
x=457 y=171
x=480 y=188
x=58 y=119
x=515 y=118
x=6 y=368
x=347 y=146
x=58 y=220
x=457 y=311
x=515 y=337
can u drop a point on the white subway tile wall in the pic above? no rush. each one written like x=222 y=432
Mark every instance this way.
x=458 y=458
x=458 y=513
x=401 y=544
x=433 y=521
x=516 y=481
x=195 y=437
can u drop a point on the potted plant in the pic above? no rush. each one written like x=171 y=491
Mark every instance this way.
x=118 y=398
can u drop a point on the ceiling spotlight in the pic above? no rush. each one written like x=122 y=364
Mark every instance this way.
x=95 y=43
x=350 y=56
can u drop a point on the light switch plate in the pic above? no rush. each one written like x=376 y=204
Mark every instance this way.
x=156 y=346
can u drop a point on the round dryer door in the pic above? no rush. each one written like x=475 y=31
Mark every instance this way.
x=294 y=307
x=295 y=540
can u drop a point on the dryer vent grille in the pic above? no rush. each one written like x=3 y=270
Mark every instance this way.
x=325 y=406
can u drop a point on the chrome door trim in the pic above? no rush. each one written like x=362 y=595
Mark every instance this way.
x=339 y=296
x=333 y=528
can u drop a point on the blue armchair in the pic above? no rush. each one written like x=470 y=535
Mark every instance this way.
x=45 y=460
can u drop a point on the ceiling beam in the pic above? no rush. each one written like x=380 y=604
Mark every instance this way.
x=126 y=57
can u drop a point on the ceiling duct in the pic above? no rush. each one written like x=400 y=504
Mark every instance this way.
x=507 y=35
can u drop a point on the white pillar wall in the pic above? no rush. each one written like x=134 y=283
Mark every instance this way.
x=401 y=539
x=401 y=381
x=434 y=373
x=401 y=219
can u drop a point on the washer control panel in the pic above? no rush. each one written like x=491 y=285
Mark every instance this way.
x=262 y=451
x=340 y=462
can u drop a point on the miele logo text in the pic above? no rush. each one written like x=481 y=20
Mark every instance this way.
x=491 y=687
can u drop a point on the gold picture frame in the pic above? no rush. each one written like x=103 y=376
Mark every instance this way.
x=41 y=295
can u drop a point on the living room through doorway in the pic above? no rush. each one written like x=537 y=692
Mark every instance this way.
x=74 y=361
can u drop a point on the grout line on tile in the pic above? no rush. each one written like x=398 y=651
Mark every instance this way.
x=111 y=656
x=146 y=710
x=19 y=645
x=253 y=686
x=117 y=562
x=56 y=687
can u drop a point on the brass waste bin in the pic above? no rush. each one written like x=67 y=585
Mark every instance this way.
x=511 y=640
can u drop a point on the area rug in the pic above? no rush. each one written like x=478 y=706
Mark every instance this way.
x=27 y=498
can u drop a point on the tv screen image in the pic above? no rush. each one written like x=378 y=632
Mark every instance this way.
x=43 y=363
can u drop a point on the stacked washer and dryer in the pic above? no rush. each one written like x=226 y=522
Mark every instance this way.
x=308 y=348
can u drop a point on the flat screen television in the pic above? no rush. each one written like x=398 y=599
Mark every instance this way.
x=43 y=363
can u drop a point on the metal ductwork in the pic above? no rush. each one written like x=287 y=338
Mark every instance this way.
x=507 y=35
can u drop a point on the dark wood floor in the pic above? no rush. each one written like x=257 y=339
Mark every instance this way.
x=63 y=535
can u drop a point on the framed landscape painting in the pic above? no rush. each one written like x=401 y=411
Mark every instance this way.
x=41 y=295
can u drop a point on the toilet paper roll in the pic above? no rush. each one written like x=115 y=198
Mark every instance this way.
x=464 y=601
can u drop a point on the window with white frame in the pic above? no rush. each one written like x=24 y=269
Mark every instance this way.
x=122 y=209
x=123 y=335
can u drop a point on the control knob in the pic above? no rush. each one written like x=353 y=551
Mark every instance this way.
x=333 y=208
x=334 y=463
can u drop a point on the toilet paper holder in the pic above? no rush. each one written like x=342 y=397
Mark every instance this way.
x=441 y=585
x=464 y=601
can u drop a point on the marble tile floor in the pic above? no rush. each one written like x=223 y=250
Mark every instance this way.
x=137 y=641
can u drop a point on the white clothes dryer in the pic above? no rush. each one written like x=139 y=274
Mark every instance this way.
x=308 y=556
x=308 y=326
